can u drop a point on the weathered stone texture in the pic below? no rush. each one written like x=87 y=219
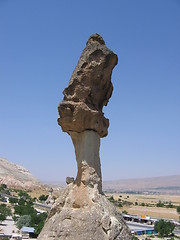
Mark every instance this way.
x=89 y=90
x=81 y=213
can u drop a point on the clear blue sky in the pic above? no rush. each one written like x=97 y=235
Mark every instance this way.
x=40 y=44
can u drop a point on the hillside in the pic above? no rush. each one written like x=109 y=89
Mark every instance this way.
x=166 y=185
x=16 y=176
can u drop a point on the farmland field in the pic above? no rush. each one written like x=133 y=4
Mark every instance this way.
x=146 y=205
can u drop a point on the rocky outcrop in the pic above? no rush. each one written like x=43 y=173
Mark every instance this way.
x=83 y=212
x=16 y=176
x=89 y=90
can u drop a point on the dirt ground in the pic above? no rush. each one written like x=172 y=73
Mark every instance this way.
x=156 y=212
x=153 y=211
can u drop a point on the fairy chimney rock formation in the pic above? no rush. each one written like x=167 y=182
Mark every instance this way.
x=82 y=212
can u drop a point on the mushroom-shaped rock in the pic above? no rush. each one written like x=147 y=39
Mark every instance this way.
x=89 y=89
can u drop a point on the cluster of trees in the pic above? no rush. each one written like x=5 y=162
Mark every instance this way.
x=25 y=214
x=162 y=204
x=43 y=198
x=5 y=211
x=119 y=203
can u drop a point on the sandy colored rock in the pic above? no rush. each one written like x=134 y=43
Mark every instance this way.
x=69 y=180
x=81 y=213
x=89 y=89
x=86 y=146
x=16 y=176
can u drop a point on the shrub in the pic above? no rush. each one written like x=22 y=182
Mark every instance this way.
x=125 y=212
x=43 y=197
x=160 y=204
x=111 y=199
x=178 y=209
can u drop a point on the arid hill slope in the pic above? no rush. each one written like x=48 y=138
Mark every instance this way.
x=16 y=176
x=166 y=184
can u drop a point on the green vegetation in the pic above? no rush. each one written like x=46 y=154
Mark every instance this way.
x=111 y=199
x=164 y=228
x=134 y=238
x=28 y=216
x=24 y=220
x=4 y=189
x=169 y=205
x=160 y=204
x=13 y=200
x=4 y=212
x=178 y=209
x=2 y=199
x=125 y=212
x=43 y=197
x=119 y=203
x=24 y=212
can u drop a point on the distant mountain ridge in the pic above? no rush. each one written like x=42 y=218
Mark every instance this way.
x=14 y=175
x=165 y=184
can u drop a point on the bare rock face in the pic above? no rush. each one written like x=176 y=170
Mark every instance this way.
x=86 y=146
x=89 y=90
x=83 y=212
x=17 y=176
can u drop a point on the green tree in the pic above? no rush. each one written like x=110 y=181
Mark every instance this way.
x=3 y=186
x=164 y=228
x=24 y=195
x=125 y=212
x=43 y=197
x=25 y=209
x=38 y=221
x=160 y=204
x=2 y=199
x=170 y=205
x=4 y=212
x=13 y=200
x=178 y=209
x=24 y=220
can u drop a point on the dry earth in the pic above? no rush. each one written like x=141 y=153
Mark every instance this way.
x=156 y=212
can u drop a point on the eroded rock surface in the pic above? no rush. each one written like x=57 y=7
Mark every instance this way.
x=81 y=213
x=89 y=90
x=86 y=146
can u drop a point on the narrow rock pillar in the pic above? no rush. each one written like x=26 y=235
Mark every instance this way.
x=86 y=146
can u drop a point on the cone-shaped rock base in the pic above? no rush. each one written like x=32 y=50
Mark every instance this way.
x=82 y=213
